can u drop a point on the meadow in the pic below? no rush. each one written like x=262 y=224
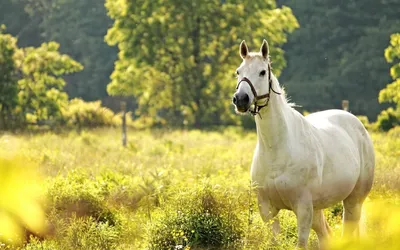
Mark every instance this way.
x=176 y=189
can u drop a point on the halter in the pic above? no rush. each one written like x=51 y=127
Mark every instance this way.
x=257 y=97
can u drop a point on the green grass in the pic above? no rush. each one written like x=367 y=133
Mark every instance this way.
x=170 y=189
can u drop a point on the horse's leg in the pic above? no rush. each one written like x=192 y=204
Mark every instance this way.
x=353 y=203
x=304 y=213
x=268 y=213
x=351 y=217
x=321 y=227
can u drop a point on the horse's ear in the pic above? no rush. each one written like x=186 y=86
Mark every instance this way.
x=244 y=51
x=264 y=49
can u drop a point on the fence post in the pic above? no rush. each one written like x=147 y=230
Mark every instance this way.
x=345 y=105
x=78 y=124
x=124 y=136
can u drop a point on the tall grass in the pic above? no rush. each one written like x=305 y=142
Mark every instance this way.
x=173 y=189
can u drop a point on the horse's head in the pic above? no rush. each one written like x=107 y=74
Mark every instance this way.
x=254 y=79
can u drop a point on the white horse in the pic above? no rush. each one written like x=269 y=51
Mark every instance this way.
x=303 y=164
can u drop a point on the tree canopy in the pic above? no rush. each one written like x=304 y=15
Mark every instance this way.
x=391 y=93
x=178 y=59
x=337 y=53
x=31 y=83
x=8 y=77
x=78 y=26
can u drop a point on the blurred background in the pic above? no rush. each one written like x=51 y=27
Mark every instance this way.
x=173 y=62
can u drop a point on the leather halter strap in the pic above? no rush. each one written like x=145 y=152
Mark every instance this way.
x=257 y=97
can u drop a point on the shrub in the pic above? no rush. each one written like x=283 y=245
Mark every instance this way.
x=36 y=244
x=80 y=233
x=364 y=120
x=85 y=233
x=394 y=132
x=73 y=196
x=388 y=119
x=87 y=114
x=201 y=220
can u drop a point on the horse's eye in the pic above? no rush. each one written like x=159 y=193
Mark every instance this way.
x=237 y=72
x=262 y=73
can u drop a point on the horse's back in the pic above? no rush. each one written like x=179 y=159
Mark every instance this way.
x=338 y=121
x=335 y=117
x=340 y=124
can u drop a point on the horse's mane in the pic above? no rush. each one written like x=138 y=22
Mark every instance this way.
x=281 y=89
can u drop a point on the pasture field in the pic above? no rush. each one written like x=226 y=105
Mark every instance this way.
x=174 y=189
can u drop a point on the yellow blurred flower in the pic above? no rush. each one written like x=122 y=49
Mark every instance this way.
x=19 y=194
x=382 y=228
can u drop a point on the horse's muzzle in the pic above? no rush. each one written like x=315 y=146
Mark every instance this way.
x=241 y=101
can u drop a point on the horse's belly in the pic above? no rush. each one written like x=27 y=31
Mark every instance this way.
x=336 y=185
x=340 y=169
x=331 y=194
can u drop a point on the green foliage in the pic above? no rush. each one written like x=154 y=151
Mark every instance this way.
x=80 y=233
x=388 y=119
x=41 y=87
x=364 y=120
x=202 y=221
x=334 y=55
x=79 y=26
x=8 y=78
x=392 y=54
x=337 y=53
x=391 y=92
x=146 y=185
x=84 y=233
x=74 y=196
x=395 y=133
x=32 y=84
x=15 y=15
x=87 y=114
x=178 y=59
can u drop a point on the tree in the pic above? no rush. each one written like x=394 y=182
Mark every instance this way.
x=336 y=54
x=8 y=78
x=41 y=94
x=31 y=83
x=79 y=26
x=391 y=93
x=178 y=59
x=20 y=24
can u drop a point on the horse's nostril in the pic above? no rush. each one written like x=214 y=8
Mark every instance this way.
x=246 y=99
x=234 y=100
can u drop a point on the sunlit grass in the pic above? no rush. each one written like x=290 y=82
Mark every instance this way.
x=121 y=194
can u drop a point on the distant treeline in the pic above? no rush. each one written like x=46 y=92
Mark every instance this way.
x=177 y=59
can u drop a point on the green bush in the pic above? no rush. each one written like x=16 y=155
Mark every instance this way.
x=199 y=219
x=80 y=233
x=388 y=119
x=364 y=120
x=85 y=233
x=88 y=114
x=394 y=132
x=74 y=196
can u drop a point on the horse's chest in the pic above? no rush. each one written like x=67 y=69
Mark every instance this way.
x=279 y=178
x=266 y=178
x=267 y=166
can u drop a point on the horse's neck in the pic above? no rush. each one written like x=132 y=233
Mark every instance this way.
x=275 y=121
